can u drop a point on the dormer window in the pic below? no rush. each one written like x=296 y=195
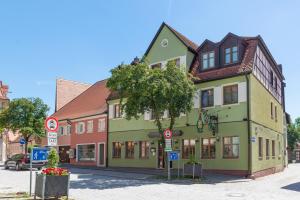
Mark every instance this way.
x=208 y=60
x=231 y=55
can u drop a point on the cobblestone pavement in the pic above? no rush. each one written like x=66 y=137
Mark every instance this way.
x=111 y=185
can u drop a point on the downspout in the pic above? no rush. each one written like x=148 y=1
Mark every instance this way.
x=107 y=131
x=249 y=129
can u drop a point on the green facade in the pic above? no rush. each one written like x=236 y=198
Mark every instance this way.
x=232 y=122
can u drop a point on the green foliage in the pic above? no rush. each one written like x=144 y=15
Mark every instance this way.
x=192 y=160
x=53 y=158
x=293 y=134
x=27 y=115
x=153 y=90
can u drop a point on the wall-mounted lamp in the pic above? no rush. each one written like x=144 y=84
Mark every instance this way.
x=218 y=139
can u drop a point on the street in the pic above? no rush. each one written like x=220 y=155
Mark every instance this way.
x=87 y=184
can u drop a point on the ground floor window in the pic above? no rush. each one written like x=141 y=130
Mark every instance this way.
x=267 y=149
x=144 y=149
x=231 y=147
x=260 y=147
x=208 y=148
x=116 y=151
x=273 y=148
x=188 y=148
x=86 y=152
x=129 y=149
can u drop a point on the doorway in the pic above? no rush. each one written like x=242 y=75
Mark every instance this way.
x=101 y=154
x=64 y=154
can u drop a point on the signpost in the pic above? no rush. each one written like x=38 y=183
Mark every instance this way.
x=51 y=124
x=37 y=155
x=173 y=156
x=168 y=148
x=52 y=139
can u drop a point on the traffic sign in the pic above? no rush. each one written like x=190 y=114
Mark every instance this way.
x=168 y=134
x=173 y=155
x=51 y=124
x=168 y=145
x=22 y=141
x=39 y=154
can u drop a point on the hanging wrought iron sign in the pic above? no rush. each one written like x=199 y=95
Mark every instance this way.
x=209 y=119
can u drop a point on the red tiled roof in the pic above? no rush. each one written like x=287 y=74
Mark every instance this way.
x=90 y=102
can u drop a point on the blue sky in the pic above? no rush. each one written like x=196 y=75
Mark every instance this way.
x=82 y=40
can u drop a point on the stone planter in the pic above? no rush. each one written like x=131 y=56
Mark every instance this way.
x=194 y=170
x=51 y=186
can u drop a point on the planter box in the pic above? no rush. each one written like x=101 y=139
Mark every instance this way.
x=194 y=170
x=51 y=186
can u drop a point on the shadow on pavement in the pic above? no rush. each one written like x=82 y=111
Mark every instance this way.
x=293 y=187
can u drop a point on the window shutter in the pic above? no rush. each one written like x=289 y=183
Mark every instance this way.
x=217 y=96
x=111 y=111
x=197 y=99
x=147 y=115
x=242 y=92
x=76 y=128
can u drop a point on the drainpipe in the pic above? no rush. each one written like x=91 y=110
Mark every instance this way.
x=107 y=131
x=249 y=129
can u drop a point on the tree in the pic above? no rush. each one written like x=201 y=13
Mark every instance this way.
x=25 y=115
x=293 y=134
x=53 y=158
x=142 y=89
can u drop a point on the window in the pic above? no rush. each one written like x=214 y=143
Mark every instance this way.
x=152 y=116
x=80 y=128
x=129 y=149
x=230 y=94
x=208 y=60
x=260 y=147
x=273 y=149
x=116 y=151
x=69 y=129
x=61 y=130
x=188 y=148
x=101 y=125
x=86 y=152
x=231 y=55
x=275 y=84
x=90 y=126
x=176 y=61
x=208 y=149
x=271 y=78
x=267 y=149
x=207 y=98
x=275 y=111
x=231 y=147
x=117 y=111
x=144 y=149
x=272 y=114
x=156 y=66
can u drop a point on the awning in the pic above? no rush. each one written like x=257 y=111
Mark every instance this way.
x=176 y=133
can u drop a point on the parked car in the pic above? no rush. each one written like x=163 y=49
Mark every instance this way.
x=19 y=162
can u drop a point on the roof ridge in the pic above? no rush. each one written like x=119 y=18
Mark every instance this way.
x=73 y=81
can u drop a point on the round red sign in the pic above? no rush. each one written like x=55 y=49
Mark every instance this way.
x=168 y=134
x=51 y=124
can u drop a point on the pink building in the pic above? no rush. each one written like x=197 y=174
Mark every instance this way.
x=82 y=131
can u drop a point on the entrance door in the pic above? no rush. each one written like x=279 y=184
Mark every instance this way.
x=160 y=155
x=101 y=154
x=64 y=154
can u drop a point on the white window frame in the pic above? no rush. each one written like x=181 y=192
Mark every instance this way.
x=77 y=127
x=101 y=129
x=83 y=144
x=90 y=126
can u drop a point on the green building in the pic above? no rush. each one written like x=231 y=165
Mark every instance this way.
x=240 y=89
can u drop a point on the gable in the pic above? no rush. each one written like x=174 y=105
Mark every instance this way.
x=158 y=52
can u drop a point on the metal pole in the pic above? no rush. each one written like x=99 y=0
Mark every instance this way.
x=30 y=171
x=178 y=174
x=169 y=172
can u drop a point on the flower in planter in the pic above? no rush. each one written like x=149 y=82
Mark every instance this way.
x=55 y=171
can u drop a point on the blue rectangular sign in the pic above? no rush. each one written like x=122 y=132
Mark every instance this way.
x=39 y=154
x=173 y=155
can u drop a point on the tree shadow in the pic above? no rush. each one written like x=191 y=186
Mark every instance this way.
x=293 y=187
